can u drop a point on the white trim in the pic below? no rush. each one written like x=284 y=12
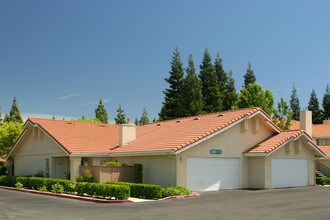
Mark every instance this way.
x=315 y=148
x=258 y=154
x=147 y=153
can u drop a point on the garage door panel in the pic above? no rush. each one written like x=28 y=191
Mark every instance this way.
x=289 y=172
x=205 y=174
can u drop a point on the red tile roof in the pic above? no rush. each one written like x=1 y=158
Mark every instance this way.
x=326 y=150
x=171 y=135
x=321 y=130
x=274 y=142
x=295 y=125
x=80 y=137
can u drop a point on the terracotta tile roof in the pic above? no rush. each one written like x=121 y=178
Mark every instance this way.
x=321 y=130
x=326 y=150
x=174 y=135
x=295 y=125
x=274 y=142
x=80 y=137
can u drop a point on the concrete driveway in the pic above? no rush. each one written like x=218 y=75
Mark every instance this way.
x=296 y=203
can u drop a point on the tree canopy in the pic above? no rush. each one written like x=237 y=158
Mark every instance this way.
x=101 y=113
x=295 y=104
x=14 y=114
x=283 y=115
x=144 y=118
x=121 y=116
x=9 y=133
x=326 y=103
x=229 y=96
x=249 y=76
x=314 y=107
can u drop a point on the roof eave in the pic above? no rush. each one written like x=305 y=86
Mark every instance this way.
x=141 y=153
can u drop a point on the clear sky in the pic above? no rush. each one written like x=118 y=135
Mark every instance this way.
x=60 y=57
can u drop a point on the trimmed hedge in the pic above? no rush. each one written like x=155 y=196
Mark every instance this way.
x=56 y=185
x=138 y=190
x=322 y=181
x=175 y=191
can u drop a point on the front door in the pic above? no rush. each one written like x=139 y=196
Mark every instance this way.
x=61 y=168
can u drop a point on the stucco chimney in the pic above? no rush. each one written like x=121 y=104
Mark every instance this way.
x=306 y=121
x=127 y=133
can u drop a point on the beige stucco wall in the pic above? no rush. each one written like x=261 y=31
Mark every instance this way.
x=30 y=155
x=233 y=142
x=257 y=173
x=156 y=169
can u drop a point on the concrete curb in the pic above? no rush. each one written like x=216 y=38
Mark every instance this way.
x=68 y=196
x=179 y=197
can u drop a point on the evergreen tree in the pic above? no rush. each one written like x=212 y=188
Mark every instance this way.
x=254 y=96
x=172 y=107
x=230 y=95
x=136 y=122
x=0 y=117
x=121 y=117
x=283 y=116
x=249 y=76
x=14 y=114
x=155 y=120
x=314 y=107
x=221 y=74
x=294 y=104
x=101 y=113
x=210 y=85
x=326 y=103
x=144 y=118
x=192 y=98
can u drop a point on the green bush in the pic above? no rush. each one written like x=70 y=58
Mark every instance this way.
x=320 y=181
x=112 y=164
x=57 y=188
x=43 y=188
x=8 y=181
x=103 y=190
x=3 y=170
x=137 y=173
x=138 y=190
x=175 y=191
x=88 y=177
x=19 y=185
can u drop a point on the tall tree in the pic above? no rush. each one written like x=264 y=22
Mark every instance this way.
x=9 y=133
x=221 y=74
x=249 y=76
x=0 y=117
x=326 y=103
x=294 y=104
x=314 y=107
x=14 y=114
x=229 y=97
x=210 y=86
x=283 y=115
x=101 y=113
x=136 y=122
x=144 y=118
x=121 y=117
x=254 y=96
x=192 y=98
x=172 y=107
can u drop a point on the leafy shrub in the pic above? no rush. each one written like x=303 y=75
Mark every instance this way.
x=103 y=190
x=3 y=170
x=112 y=164
x=137 y=173
x=8 y=181
x=320 y=181
x=19 y=185
x=138 y=190
x=43 y=188
x=80 y=178
x=57 y=188
x=24 y=180
x=88 y=177
x=175 y=191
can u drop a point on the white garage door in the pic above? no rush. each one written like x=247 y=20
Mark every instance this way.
x=206 y=174
x=289 y=172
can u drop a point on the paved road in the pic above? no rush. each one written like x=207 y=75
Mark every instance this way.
x=298 y=203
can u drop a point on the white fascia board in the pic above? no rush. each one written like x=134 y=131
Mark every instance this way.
x=315 y=136
x=315 y=148
x=89 y=155
x=259 y=154
x=148 y=153
x=268 y=120
x=19 y=139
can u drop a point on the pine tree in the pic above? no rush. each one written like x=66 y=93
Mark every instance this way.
x=121 y=117
x=249 y=76
x=144 y=118
x=314 y=107
x=326 y=103
x=155 y=120
x=221 y=74
x=101 y=113
x=0 y=117
x=136 y=122
x=229 y=97
x=210 y=86
x=14 y=114
x=172 y=107
x=192 y=98
x=294 y=104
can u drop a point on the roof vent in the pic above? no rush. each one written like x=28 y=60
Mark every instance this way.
x=70 y=123
x=178 y=121
x=220 y=115
x=197 y=118
x=159 y=124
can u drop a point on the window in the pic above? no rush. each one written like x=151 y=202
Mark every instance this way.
x=47 y=167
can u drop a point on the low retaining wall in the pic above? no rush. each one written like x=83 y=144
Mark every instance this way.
x=106 y=173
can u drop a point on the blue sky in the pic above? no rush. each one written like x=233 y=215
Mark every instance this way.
x=60 y=57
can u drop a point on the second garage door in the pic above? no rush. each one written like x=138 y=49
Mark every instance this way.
x=206 y=174
x=289 y=172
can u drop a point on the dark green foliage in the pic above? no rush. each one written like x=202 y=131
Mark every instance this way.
x=314 y=107
x=1 y=120
x=229 y=96
x=144 y=118
x=121 y=117
x=192 y=98
x=283 y=115
x=137 y=173
x=210 y=86
x=103 y=190
x=136 y=122
x=112 y=164
x=101 y=113
x=172 y=107
x=254 y=96
x=3 y=170
x=8 y=181
x=14 y=114
x=87 y=177
x=249 y=77
x=57 y=188
x=138 y=190
x=322 y=181
x=9 y=133
x=326 y=103
x=294 y=104
x=175 y=191
x=221 y=74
